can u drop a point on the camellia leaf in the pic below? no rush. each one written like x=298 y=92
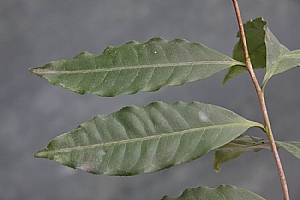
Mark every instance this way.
x=255 y=36
x=246 y=143
x=136 y=67
x=238 y=146
x=224 y=192
x=137 y=140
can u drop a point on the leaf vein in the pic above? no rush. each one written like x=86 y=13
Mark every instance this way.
x=83 y=71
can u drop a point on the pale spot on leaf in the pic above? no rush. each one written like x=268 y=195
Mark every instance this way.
x=204 y=117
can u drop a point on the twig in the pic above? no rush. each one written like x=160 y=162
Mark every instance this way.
x=261 y=98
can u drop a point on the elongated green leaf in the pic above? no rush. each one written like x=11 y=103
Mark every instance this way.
x=291 y=146
x=136 y=140
x=255 y=36
x=236 y=147
x=223 y=192
x=246 y=143
x=136 y=67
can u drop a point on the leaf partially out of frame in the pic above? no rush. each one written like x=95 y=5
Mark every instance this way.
x=137 y=140
x=291 y=146
x=255 y=36
x=280 y=59
x=224 y=192
x=136 y=67
x=246 y=143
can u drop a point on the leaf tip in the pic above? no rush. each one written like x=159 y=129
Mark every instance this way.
x=226 y=78
x=217 y=169
x=35 y=71
x=41 y=154
x=32 y=70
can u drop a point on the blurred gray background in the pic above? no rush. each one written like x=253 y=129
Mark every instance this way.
x=33 y=112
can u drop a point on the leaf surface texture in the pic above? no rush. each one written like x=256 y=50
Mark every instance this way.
x=144 y=139
x=136 y=67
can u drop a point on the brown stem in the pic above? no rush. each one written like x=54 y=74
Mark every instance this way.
x=261 y=99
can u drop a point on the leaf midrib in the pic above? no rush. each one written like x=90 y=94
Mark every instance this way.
x=42 y=71
x=236 y=124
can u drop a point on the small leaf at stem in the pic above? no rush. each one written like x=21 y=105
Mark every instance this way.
x=255 y=36
x=265 y=51
x=236 y=147
x=245 y=143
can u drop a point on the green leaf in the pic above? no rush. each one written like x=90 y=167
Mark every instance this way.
x=223 y=192
x=280 y=59
x=246 y=143
x=255 y=36
x=292 y=147
x=137 y=140
x=265 y=51
x=236 y=147
x=136 y=67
